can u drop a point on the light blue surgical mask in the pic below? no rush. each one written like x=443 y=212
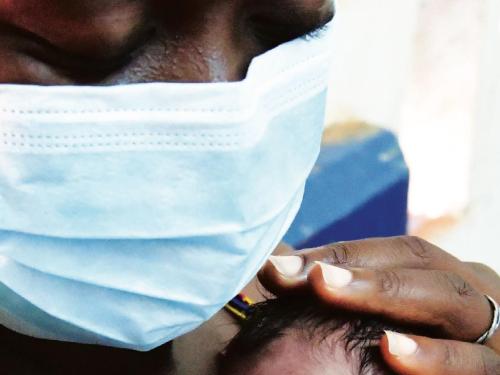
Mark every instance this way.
x=129 y=215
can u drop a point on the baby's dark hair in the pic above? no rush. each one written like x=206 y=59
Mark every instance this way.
x=275 y=318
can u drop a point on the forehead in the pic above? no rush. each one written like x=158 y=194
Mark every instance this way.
x=79 y=9
x=294 y=354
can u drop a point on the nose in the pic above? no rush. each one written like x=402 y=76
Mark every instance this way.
x=192 y=43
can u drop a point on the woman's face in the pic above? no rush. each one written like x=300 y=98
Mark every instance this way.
x=53 y=42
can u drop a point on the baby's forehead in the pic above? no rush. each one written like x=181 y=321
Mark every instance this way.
x=294 y=353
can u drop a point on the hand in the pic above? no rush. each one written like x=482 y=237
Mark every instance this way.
x=413 y=355
x=407 y=280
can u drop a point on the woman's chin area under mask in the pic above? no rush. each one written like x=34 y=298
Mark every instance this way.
x=23 y=355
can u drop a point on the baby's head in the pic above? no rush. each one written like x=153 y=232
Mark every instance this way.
x=300 y=337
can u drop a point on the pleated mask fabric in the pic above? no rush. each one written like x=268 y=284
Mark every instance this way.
x=129 y=215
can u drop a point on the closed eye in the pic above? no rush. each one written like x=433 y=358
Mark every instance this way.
x=272 y=34
x=68 y=61
x=273 y=28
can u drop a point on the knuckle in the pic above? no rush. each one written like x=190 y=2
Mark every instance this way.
x=490 y=363
x=483 y=360
x=459 y=287
x=419 y=248
x=389 y=282
x=457 y=296
x=452 y=356
x=340 y=253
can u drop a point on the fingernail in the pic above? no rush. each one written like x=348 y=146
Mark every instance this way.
x=288 y=266
x=335 y=277
x=401 y=345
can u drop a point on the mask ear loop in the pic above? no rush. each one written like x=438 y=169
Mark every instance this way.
x=240 y=307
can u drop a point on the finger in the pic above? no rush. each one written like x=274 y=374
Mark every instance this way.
x=437 y=299
x=284 y=274
x=394 y=252
x=414 y=355
x=488 y=278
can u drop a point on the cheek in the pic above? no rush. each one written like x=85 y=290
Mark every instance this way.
x=83 y=28
x=164 y=60
x=193 y=58
x=18 y=68
x=212 y=44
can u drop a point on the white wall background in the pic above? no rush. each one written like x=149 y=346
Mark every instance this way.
x=477 y=236
x=373 y=49
x=430 y=71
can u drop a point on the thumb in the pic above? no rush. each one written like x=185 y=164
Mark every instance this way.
x=414 y=355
